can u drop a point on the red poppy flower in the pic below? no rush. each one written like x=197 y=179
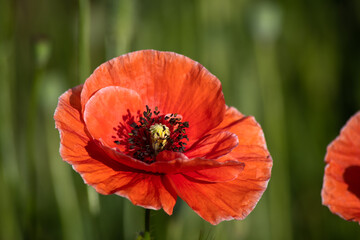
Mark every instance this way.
x=341 y=187
x=151 y=126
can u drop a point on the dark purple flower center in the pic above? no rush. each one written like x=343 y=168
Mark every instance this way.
x=153 y=133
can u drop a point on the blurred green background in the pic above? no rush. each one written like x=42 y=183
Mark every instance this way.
x=294 y=65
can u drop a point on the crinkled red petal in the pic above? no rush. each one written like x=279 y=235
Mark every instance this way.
x=251 y=150
x=213 y=146
x=233 y=199
x=167 y=164
x=220 y=174
x=169 y=81
x=109 y=108
x=106 y=175
x=341 y=186
x=216 y=202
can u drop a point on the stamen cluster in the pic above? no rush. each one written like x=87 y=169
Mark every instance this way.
x=152 y=134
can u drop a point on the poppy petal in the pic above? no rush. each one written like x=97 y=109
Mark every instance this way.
x=235 y=199
x=251 y=150
x=341 y=188
x=169 y=81
x=68 y=121
x=99 y=170
x=220 y=174
x=216 y=202
x=109 y=108
x=250 y=135
x=108 y=176
x=179 y=164
x=213 y=146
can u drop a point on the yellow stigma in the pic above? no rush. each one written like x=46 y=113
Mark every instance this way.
x=159 y=134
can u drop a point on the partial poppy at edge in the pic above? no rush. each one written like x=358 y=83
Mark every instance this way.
x=341 y=186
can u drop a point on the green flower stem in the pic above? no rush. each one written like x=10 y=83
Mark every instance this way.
x=146 y=235
x=147 y=224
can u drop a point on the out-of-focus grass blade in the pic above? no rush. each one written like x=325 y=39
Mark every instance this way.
x=84 y=40
x=266 y=27
x=65 y=192
x=9 y=172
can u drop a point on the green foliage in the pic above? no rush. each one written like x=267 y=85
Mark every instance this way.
x=294 y=65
